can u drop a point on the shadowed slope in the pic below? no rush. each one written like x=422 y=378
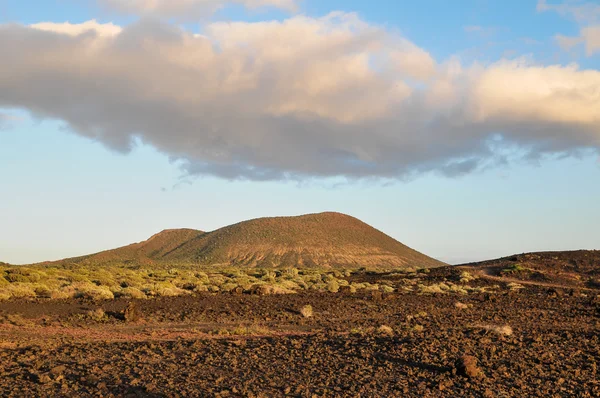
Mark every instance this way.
x=326 y=239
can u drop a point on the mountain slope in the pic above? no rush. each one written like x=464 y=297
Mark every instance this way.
x=326 y=239
x=146 y=252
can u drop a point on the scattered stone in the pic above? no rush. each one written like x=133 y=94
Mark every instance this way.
x=131 y=313
x=376 y=295
x=467 y=366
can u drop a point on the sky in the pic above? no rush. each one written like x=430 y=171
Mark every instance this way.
x=467 y=130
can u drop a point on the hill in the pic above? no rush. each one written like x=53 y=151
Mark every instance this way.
x=578 y=268
x=143 y=253
x=325 y=239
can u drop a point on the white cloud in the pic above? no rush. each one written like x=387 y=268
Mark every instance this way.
x=189 y=9
x=330 y=96
x=511 y=92
x=107 y=29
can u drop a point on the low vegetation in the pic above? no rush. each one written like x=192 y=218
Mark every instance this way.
x=98 y=283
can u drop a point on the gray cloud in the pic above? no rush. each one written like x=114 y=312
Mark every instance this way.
x=188 y=9
x=347 y=99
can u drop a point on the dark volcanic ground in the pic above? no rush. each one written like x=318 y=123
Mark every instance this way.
x=251 y=346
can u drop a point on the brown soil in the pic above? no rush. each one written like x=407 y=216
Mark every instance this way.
x=251 y=346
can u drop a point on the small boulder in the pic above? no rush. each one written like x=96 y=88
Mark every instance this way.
x=467 y=366
x=238 y=291
x=376 y=295
x=131 y=313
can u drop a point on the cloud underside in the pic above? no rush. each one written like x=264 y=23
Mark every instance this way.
x=189 y=9
x=301 y=98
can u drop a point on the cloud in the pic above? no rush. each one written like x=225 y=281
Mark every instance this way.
x=583 y=12
x=586 y=14
x=299 y=98
x=567 y=43
x=105 y=30
x=481 y=31
x=591 y=37
x=473 y=28
x=188 y=9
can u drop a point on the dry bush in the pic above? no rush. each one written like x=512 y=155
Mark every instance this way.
x=387 y=289
x=502 y=330
x=466 y=277
x=333 y=286
x=93 y=292
x=307 y=311
x=97 y=315
x=432 y=289
x=16 y=320
x=131 y=292
x=17 y=290
x=462 y=306
x=266 y=289
x=385 y=330
x=201 y=289
x=515 y=286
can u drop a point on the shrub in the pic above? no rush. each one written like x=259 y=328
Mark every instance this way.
x=503 y=330
x=201 y=289
x=333 y=287
x=385 y=330
x=43 y=292
x=387 y=289
x=93 y=292
x=20 y=290
x=97 y=315
x=131 y=292
x=466 y=277
x=290 y=273
x=307 y=311
x=513 y=268
x=515 y=286
x=424 y=289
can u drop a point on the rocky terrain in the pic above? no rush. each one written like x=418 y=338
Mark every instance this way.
x=493 y=337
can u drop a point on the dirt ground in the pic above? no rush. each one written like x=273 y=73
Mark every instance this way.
x=536 y=341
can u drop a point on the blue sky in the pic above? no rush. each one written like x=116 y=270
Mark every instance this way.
x=73 y=183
